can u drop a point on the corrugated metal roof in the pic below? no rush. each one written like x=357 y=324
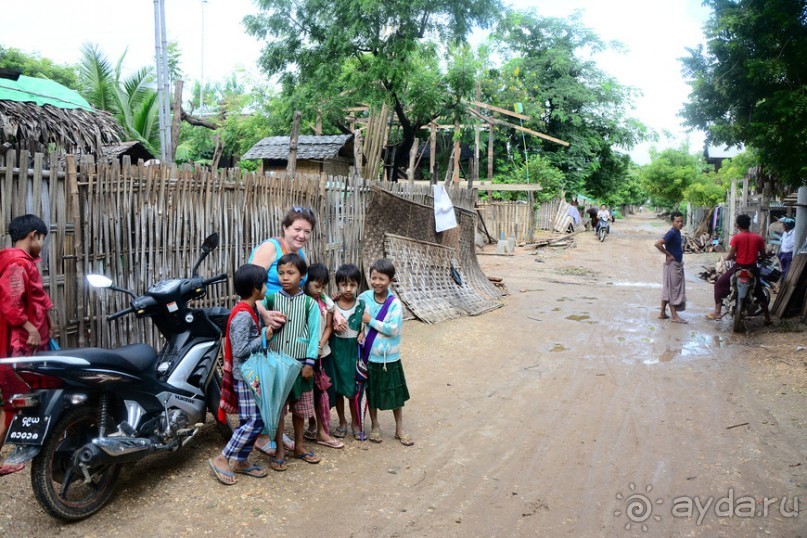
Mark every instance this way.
x=308 y=147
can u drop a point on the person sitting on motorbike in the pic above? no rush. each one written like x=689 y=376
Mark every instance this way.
x=746 y=249
x=603 y=216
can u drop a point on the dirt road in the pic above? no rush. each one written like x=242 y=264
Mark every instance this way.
x=541 y=418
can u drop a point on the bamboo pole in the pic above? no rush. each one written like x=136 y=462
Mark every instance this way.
x=291 y=169
x=72 y=184
x=432 y=152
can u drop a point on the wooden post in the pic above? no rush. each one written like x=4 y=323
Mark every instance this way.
x=357 y=155
x=432 y=153
x=413 y=155
x=291 y=169
x=457 y=152
x=78 y=248
x=318 y=126
x=732 y=210
x=475 y=173
x=744 y=198
x=531 y=202
x=177 y=119
x=490 y=159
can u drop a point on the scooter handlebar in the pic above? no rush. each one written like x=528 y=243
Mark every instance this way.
x=120 y=314
x=215 y=279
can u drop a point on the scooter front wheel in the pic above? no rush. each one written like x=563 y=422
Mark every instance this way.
x=601 y=234
x=59 y=486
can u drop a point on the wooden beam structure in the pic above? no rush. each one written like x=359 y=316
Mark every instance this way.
x=503 y=123
x=521 y=187
x=500 y=110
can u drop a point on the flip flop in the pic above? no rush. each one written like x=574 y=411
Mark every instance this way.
x=278 y=465
x=333 y=443
x=288 y=444
x=679 y=320
x=253 y=470
x=11 y=468
x=268 y=449
x=308 y=457
x=664 y=317
x=341 y=433
x=712 y=317
x=309 y=435
x=225 y=477
x=375 y=437
x=405 y=439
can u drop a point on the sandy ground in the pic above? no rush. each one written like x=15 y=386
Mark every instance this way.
x=572 y=411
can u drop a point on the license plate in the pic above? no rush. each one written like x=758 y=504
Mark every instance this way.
x=28 y=430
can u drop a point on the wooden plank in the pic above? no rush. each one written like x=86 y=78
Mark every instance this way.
x=518 y=128
x=501 y=110
x=522 y=187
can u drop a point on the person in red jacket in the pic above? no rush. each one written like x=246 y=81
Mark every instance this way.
x=745 y=249
x=26 y=325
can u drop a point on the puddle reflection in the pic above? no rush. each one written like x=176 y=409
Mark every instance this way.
x=696 y=346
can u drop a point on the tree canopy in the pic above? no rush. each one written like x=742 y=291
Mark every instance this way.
x=749 y=85
x=32 y=65
x=548 y=67
x=374 y=51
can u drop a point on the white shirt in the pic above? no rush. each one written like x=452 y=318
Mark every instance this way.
x=788 y=241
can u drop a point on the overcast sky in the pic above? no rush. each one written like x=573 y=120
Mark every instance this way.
x=655 y=32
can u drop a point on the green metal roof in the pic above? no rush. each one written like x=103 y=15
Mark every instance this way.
x=42 y=92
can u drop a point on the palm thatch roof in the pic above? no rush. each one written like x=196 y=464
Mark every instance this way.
x=35 y=113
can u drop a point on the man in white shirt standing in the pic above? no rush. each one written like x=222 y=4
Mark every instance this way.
x=788 y=242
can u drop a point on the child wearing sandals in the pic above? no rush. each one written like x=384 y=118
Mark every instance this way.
x=242 y=339
x=298 y=338
x=319 y=426
x=386 y=384
x=344 y=345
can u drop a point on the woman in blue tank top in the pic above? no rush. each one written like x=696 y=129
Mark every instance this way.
x=297 y=226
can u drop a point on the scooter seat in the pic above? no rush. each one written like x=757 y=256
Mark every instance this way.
x=135 y=358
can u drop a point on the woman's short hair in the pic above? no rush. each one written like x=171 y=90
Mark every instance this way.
x=383 y=266
x=248 y=278
x=296 y=213
x=348 y=273
x=294 y=259
x=317 y=272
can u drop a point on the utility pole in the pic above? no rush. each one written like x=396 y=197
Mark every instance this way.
x=202 y=70
x=163 y=83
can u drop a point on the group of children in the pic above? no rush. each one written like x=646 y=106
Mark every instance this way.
x=364 y=356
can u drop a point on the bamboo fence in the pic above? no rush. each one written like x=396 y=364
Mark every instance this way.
x=140 y=224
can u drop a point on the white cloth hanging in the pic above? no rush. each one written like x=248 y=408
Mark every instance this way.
x=444 y=217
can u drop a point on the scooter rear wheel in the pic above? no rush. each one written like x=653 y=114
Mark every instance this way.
x=58 y=485
x=739 y=310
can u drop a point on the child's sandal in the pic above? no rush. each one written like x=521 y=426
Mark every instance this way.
x=405 y=439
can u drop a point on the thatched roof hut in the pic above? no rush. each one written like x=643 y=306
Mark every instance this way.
x=328 y=154
x=35 y=113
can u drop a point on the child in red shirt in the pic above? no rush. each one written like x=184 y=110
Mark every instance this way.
x=26 y=325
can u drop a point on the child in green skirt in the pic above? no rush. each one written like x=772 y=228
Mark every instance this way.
x=344 y=345
x=386 y=383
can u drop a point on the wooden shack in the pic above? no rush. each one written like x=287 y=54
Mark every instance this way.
x=316 y=154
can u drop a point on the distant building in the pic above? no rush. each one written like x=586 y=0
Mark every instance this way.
x=715 y=155
x=331 y=155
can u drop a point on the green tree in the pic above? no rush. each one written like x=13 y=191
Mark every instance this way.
x=670 y=173
x=32 y=65
x=373 y=50
x=132 y=100
x=750 y=83
x=547 y=67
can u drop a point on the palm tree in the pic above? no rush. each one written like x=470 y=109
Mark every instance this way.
x=133 y=100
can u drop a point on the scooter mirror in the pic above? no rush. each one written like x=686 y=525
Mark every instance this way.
x=210 y=242
x=99 y=281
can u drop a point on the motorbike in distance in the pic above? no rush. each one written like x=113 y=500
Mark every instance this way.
x=603 y=228
x=91 y=410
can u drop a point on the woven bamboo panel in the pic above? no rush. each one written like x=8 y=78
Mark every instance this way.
x=424 y=282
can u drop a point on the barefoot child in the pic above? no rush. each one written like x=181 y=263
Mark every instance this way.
x=242 y=339
x=386 y=384
x=319 y=427
x=345 y=347
x=299 y=338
